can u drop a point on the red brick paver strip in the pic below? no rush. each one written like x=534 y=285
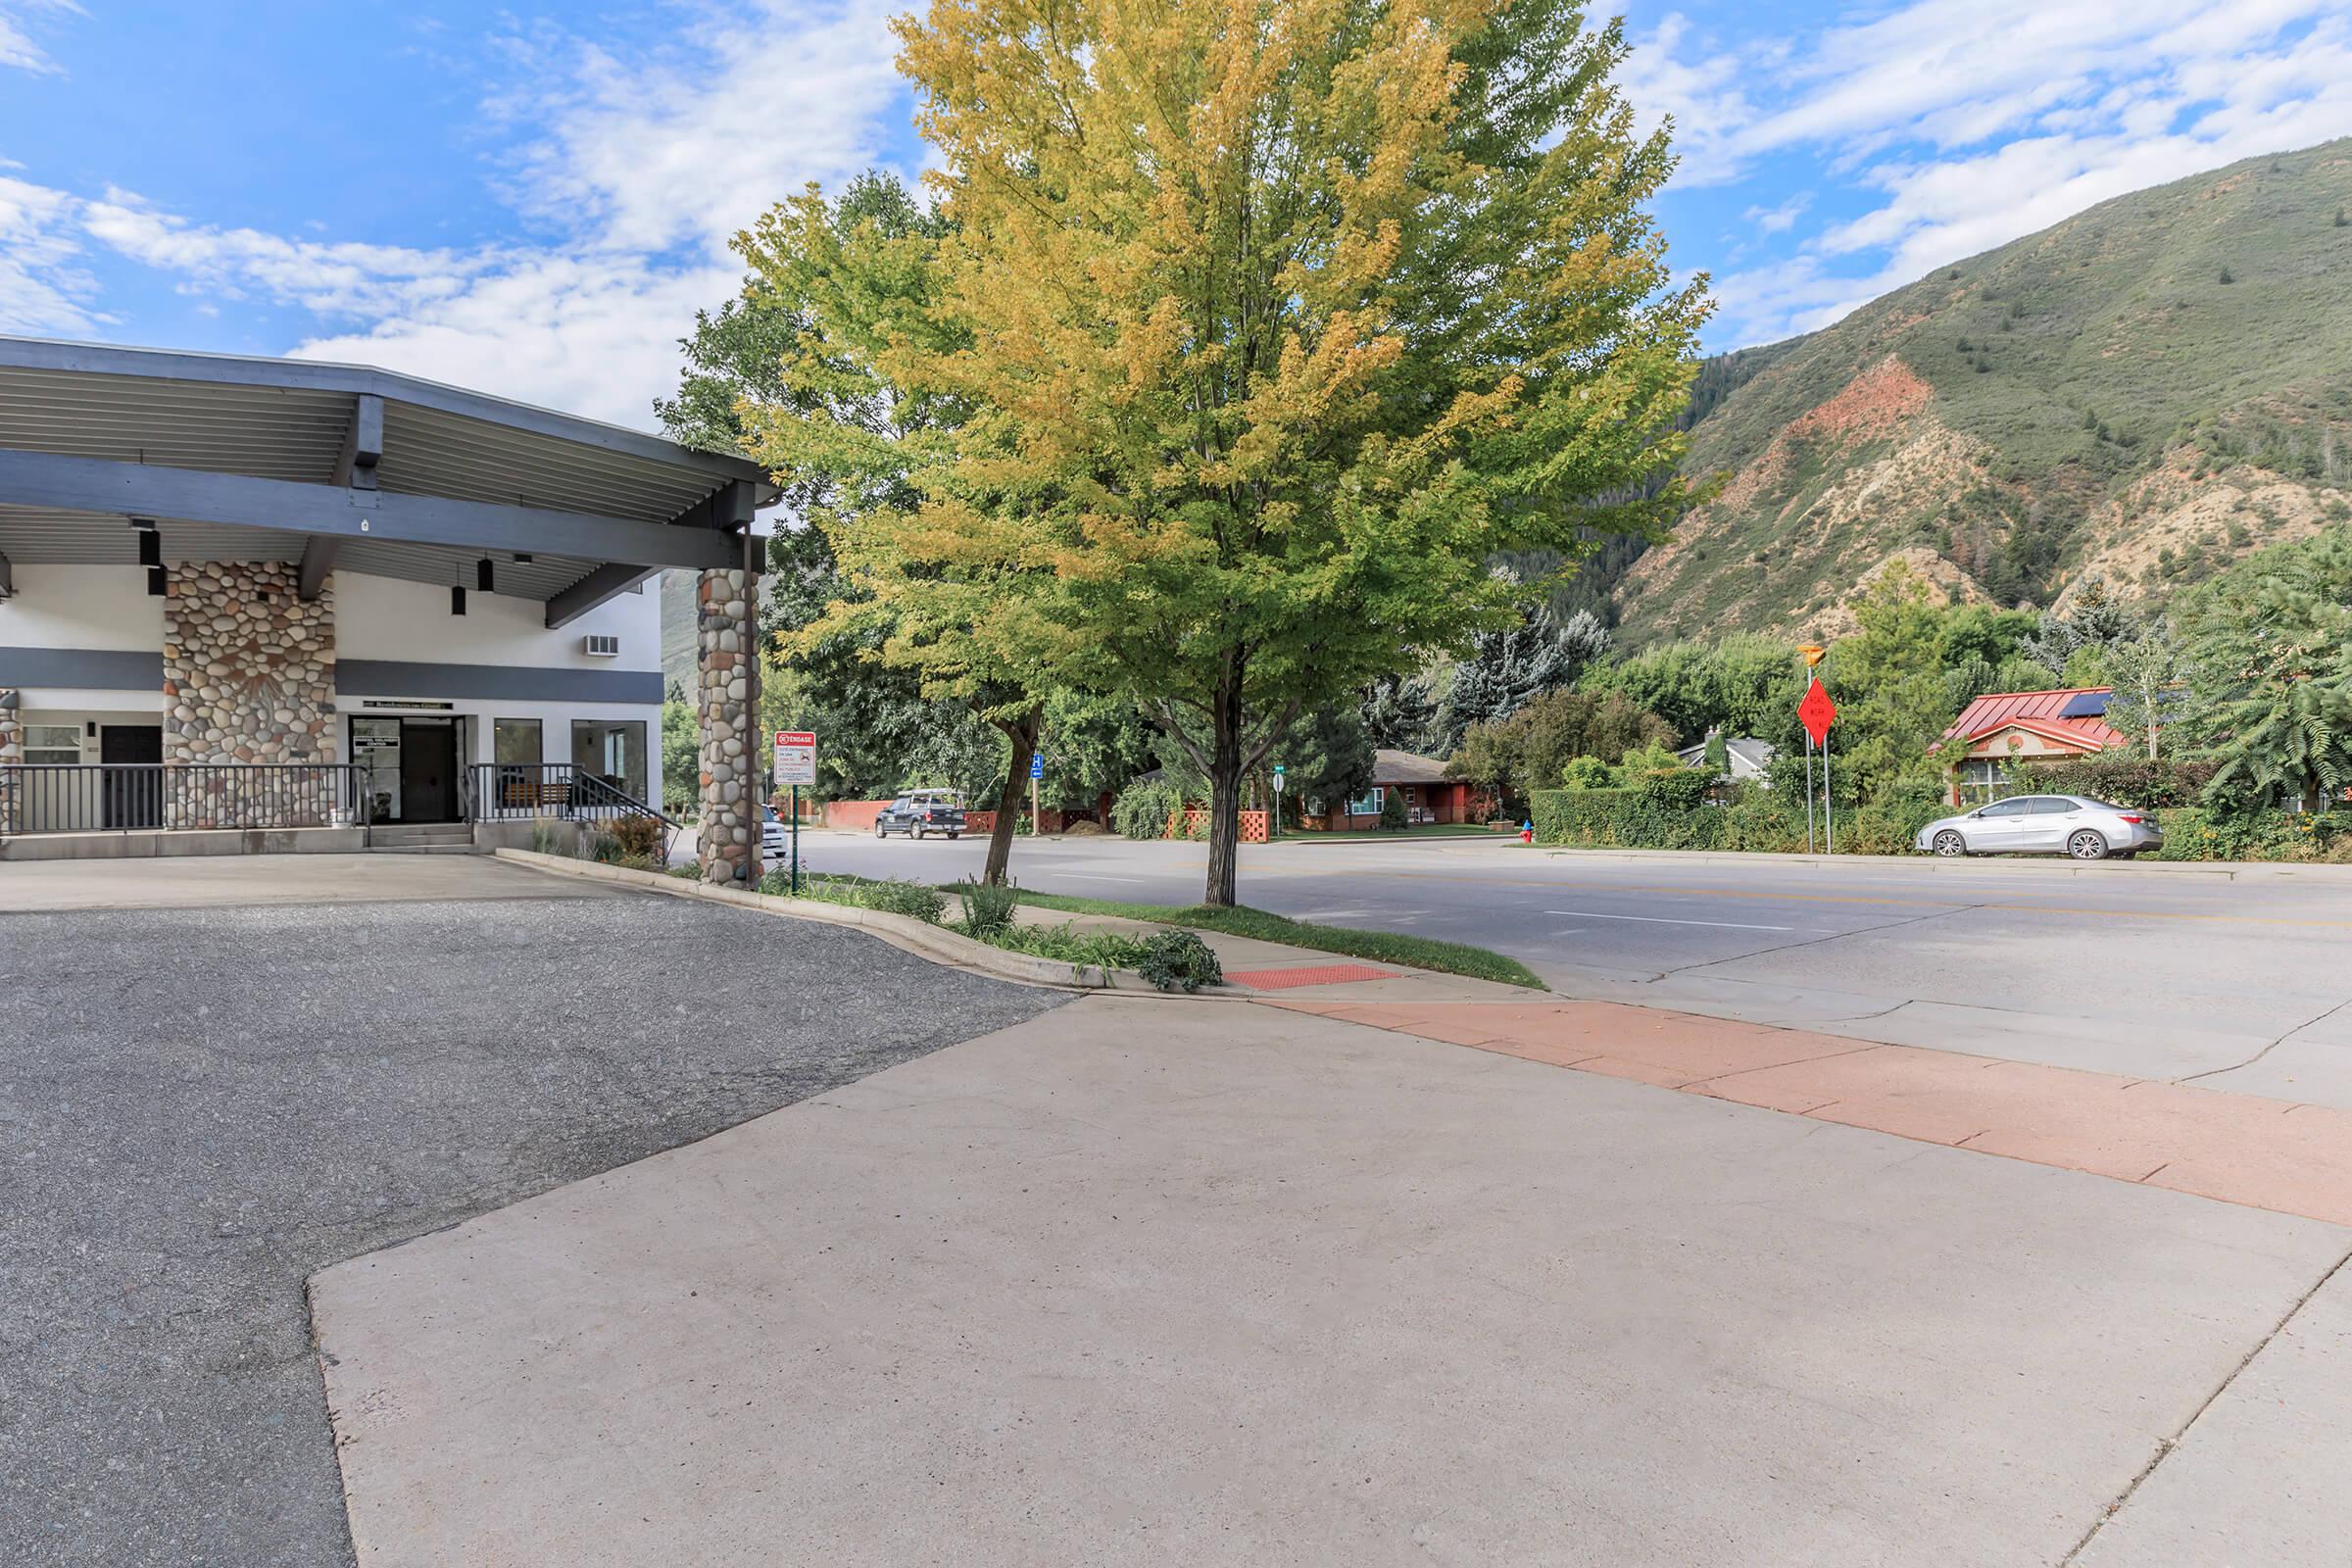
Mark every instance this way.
x=1314 y=974
x=2239 y=1149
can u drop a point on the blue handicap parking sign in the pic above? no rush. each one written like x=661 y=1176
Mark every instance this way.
x=1036 y=765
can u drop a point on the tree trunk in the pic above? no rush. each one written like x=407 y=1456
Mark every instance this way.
x=1224 y=792
x=1023 y=732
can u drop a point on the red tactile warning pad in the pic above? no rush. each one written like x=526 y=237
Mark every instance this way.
x=1314 y=974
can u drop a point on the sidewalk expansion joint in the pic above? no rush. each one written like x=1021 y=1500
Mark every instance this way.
x=2165 y=1447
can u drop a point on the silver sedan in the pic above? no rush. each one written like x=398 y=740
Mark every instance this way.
x=2044 y=824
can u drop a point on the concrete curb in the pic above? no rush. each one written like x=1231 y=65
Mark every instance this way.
x=902 y=931
x=2039 y=866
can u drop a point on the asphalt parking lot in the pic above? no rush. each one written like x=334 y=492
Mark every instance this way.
x=202 y=1106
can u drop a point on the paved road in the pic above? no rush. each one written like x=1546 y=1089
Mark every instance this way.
x=2245 y=985
x=202 y=1106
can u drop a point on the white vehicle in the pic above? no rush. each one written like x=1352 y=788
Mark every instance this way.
x=2073 y=825
x=775 y=835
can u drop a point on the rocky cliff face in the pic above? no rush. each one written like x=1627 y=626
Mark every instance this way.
x=2147 y=391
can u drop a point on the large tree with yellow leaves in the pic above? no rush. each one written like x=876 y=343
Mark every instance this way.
x=1264 y=326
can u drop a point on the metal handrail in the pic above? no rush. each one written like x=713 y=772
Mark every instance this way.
x=40 y=798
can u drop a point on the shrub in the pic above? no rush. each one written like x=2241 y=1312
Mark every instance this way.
x=603 y=848
x=1105 y=950
x=547 y=836
x=892 y=896
x=1588 y=773
x=2123 y=778
x=1393 y=813
x=988 y=909
x=1178 y=960
x=1143 y=807
x=639 y=837
x=896 y=897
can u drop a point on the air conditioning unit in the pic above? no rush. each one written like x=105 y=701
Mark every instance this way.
x=601 y=645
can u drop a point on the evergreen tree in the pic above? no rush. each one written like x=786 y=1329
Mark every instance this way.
x=1508 y=670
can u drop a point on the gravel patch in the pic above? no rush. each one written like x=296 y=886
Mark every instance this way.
x=201 y=1107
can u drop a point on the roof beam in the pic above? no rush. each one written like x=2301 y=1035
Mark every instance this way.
x=355 y=469
x=317 y=560
x=603 y=584
x=191 y=495
x=363 y=444
x=730 y=507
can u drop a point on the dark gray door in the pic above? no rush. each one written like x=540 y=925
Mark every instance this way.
x=428 y=772
x=135 y=782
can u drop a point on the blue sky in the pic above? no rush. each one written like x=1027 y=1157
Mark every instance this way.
x=534 y=201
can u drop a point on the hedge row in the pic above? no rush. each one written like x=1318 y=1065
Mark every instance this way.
x=1671 y=812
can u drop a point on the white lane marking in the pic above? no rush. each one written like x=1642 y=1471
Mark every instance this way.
x=1659 y=919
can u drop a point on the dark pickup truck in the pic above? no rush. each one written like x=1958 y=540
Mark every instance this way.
x=920 y=813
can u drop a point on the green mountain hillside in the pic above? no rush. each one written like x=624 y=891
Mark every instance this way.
x=2146 y=392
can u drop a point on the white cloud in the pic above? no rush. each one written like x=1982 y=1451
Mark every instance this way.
x=44 y=289
x=17 y=50
x=1780 y=219
x=633 y=174
x=646 y=167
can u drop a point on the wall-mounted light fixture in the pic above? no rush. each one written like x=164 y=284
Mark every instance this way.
x=482 y=577
x=151 y=548
x=155 y=582
x=456 y=600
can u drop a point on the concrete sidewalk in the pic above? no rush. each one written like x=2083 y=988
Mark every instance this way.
x=1143 y=1282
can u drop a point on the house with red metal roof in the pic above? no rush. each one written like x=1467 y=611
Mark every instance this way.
x=2000 y=728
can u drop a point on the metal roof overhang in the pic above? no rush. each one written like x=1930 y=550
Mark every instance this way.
x=238 y=458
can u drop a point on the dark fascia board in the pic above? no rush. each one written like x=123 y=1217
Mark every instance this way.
x=95 y=669
x=232 y=369
x=194 y=495
x=500 y=683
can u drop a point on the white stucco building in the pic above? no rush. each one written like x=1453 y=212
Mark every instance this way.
x=240 y=595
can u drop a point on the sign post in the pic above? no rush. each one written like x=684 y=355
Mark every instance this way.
x=796 y=765
x=1817 y=714
x=1274 y=827
x=1037 y=772
x=1812 y=653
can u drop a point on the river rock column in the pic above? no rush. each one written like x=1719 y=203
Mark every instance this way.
x=11 y=753
x=730 y=776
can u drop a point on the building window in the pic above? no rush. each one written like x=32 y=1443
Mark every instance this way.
x=53 y=743
x=1369 y=803
x=612 y=749
x=1984 y=779
x=517 y=741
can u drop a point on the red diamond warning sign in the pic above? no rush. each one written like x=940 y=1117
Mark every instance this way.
x=1817 y=712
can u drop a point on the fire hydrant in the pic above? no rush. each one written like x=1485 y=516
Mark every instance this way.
x=1527 y=832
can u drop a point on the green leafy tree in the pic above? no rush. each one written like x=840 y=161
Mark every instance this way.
x=1890 y=683
x=681 y=756
x=1531 y=749
x=2269 y=698
x=860 y=279
x=1273 y=326
x=1327 y=758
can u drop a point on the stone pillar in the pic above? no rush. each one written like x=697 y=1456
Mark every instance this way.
x=12 y=752
x=249 y=677
x=724 y=640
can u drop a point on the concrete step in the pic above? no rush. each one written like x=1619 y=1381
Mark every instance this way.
x=422 y=835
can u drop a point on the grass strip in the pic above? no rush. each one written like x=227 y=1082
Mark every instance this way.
x=1380 y=946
